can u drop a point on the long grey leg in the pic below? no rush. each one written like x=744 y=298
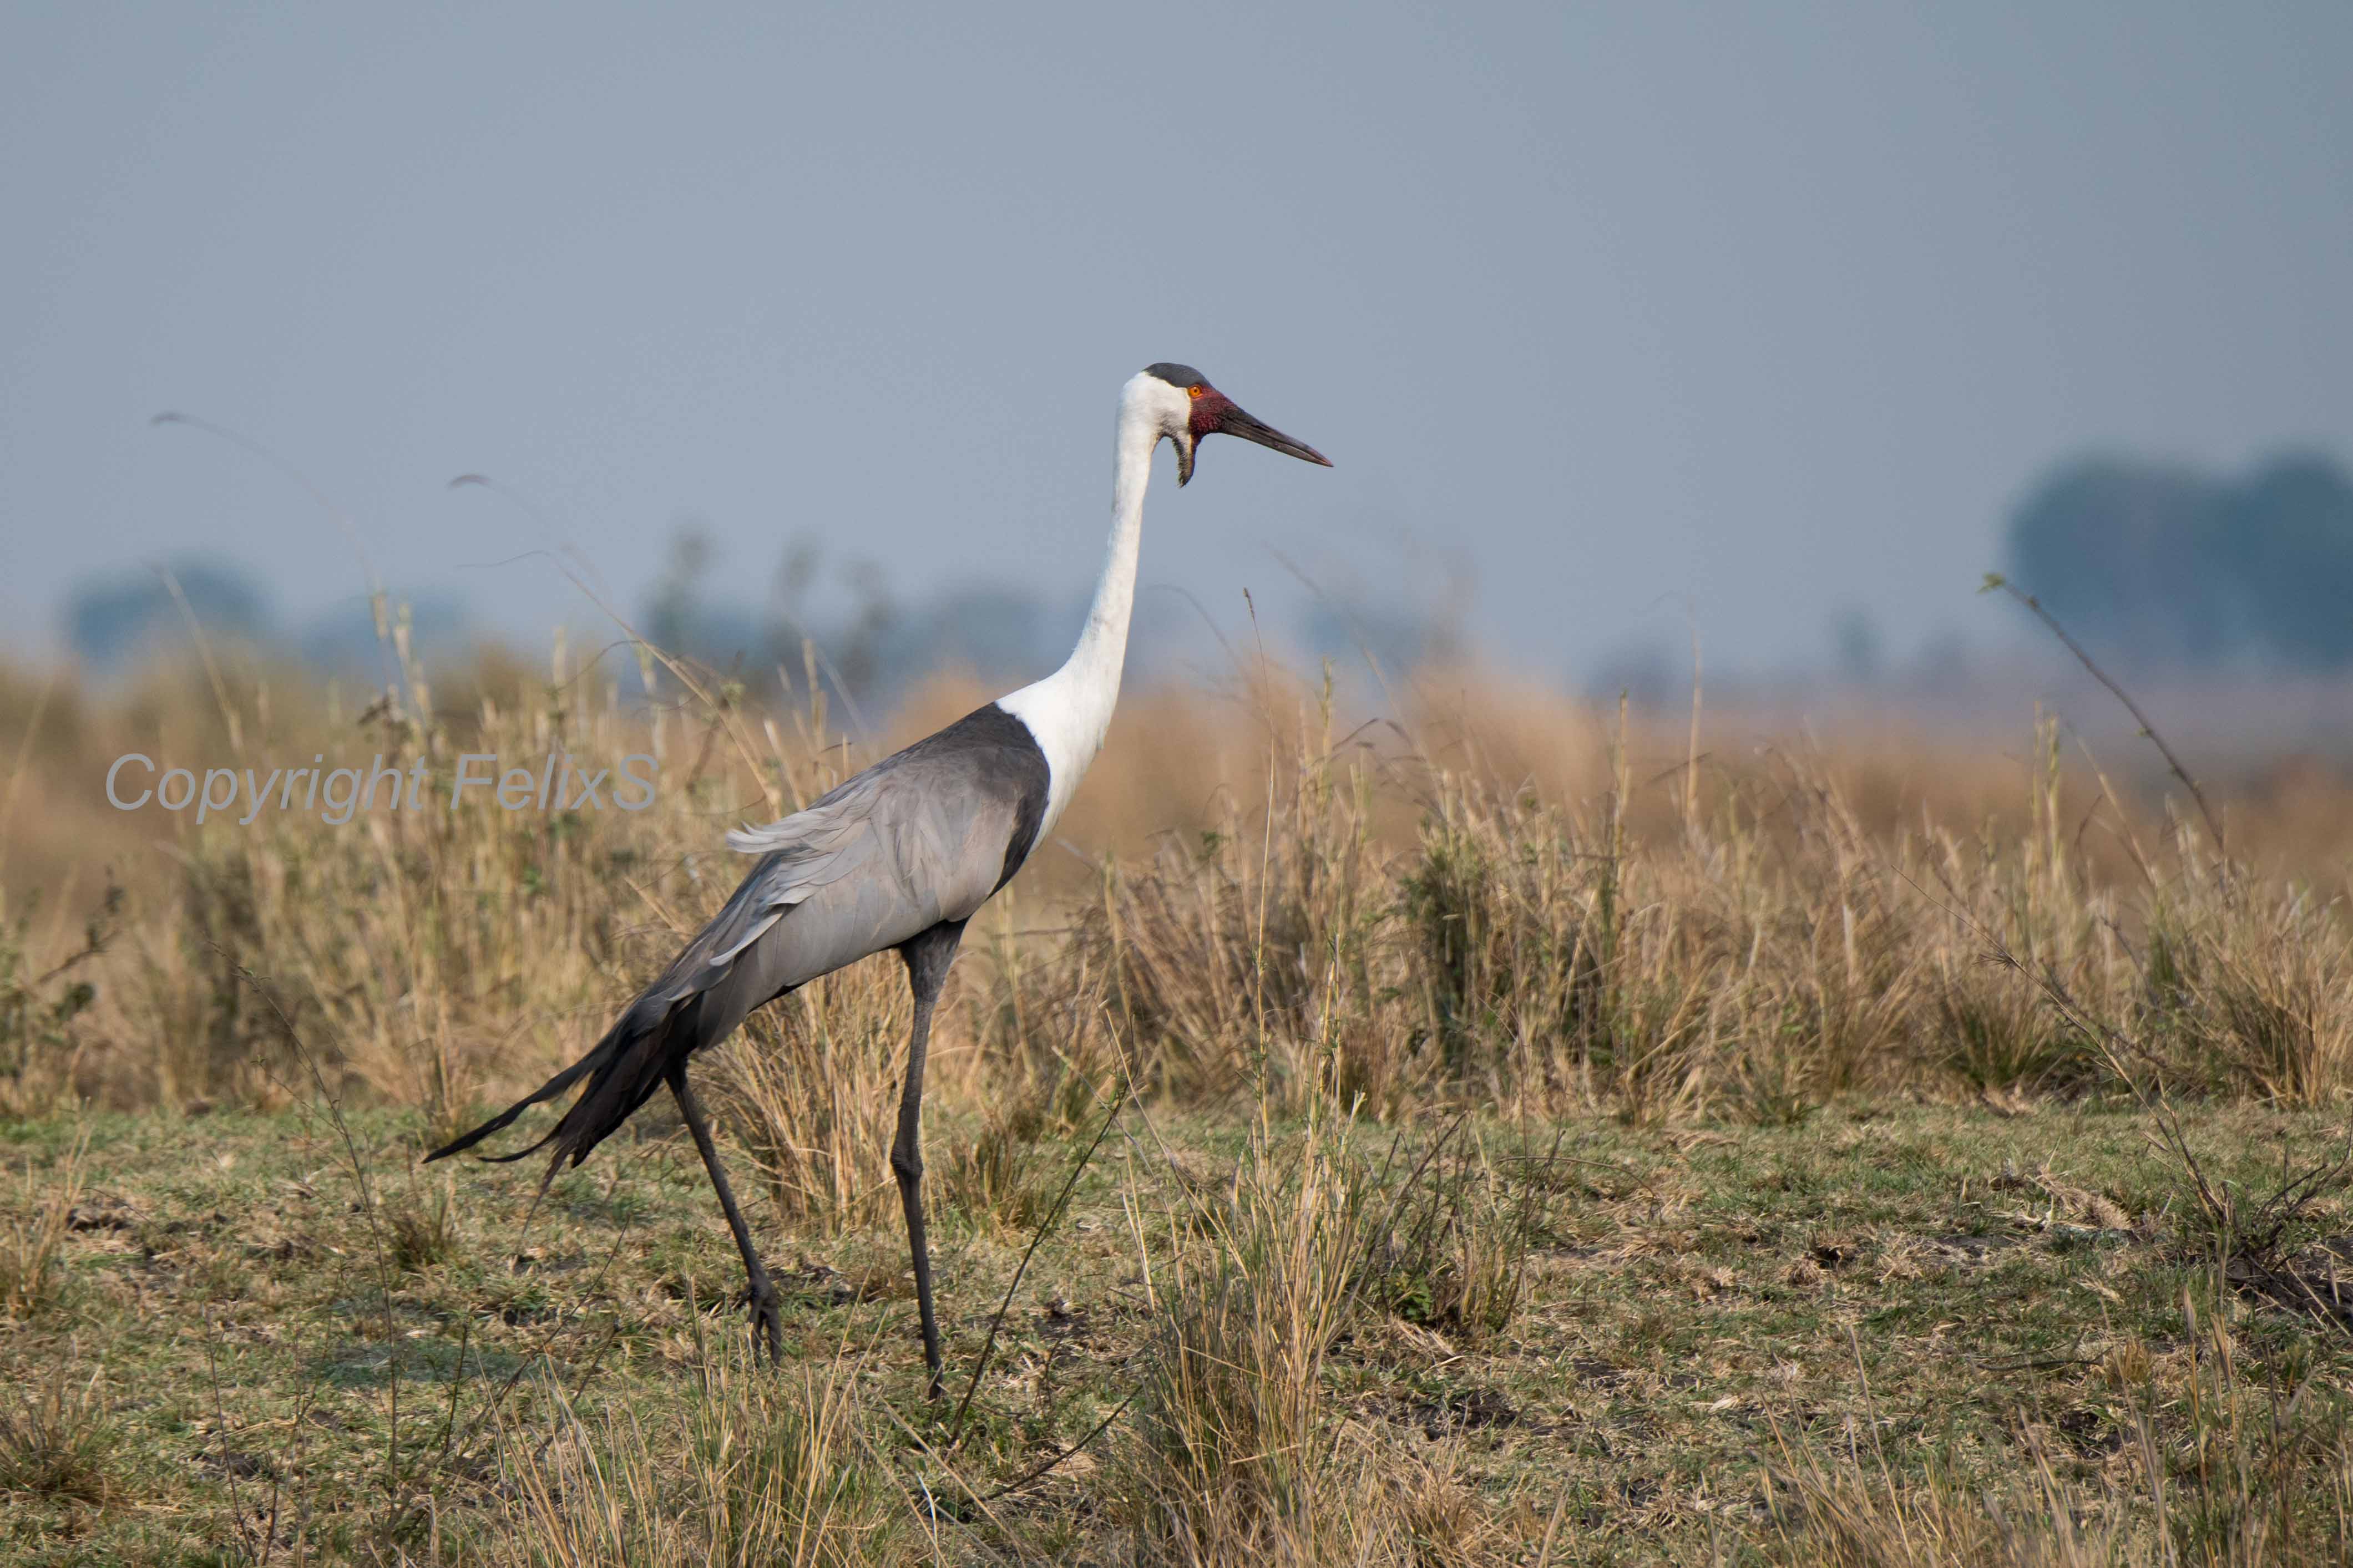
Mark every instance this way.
x=767 y=1322
x=927 y=959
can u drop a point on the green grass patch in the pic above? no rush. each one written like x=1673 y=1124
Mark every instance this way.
x=1701 y=1344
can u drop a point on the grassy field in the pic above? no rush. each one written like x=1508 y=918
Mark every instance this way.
x=255 y=1338
x=1509 y=1133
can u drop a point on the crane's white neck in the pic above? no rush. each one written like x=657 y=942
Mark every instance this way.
x=1102 y=652
x=1069 y=713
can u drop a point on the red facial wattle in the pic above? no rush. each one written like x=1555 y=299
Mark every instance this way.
x=1210 y=407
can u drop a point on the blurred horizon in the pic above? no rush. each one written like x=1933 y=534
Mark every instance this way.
x=2226 y=583
x=1624 y=324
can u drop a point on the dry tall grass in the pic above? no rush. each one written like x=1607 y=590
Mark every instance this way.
x=1712 y=938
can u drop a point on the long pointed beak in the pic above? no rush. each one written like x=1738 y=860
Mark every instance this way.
x=1237 y=423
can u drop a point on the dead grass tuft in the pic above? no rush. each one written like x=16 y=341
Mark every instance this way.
x=997 y=1179
x=1451 y=1253
x=57 y=1444
x=34 y=1230
x=1238 y=1458
x=422 y=1226
x=764 y=1468
x=1241 y=1455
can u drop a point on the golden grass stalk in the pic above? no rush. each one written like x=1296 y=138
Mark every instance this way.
x=34 y=1233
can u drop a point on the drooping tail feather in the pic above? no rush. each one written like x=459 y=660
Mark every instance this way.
x=624 y=1069
x=544 y=1092
x=696 y=1002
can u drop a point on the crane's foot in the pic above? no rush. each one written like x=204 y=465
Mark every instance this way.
x=767 y=1313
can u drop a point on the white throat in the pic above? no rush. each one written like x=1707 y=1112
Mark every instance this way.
x=1069 y=713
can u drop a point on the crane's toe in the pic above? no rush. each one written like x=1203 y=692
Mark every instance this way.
x=769 y=1325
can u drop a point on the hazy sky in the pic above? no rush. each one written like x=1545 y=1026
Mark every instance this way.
x=1770 y=308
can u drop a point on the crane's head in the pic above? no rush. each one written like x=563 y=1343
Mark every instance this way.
x=1187 y=407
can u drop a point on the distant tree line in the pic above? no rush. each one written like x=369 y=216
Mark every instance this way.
x=113 y=620
x=2165 y=564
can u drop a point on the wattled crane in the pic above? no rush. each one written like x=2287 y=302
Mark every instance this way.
x=900 y=857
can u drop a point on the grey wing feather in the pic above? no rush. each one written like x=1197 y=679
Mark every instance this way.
x=920 y=838
x=821 y=825
x=812 y=849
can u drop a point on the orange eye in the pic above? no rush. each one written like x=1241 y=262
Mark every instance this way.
x=1195 y=390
